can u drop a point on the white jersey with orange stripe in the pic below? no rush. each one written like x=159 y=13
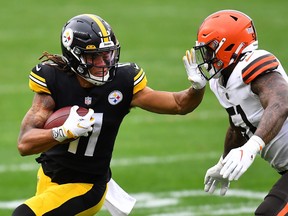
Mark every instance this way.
x=244 y=107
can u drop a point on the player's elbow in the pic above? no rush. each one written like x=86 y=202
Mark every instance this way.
x=186 y=110
x=281 y=108
x=23 y=146
x=189 y=107
x=281 y=105
x=22 y=149
x=284 y=108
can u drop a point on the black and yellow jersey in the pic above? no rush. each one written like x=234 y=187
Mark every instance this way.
x=110 y=102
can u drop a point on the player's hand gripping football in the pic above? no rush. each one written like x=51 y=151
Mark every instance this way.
x=240 y=159
x=213 y=179
x=194 y=75
x=74 y=126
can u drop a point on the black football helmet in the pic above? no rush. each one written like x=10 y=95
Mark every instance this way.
x=89 y=34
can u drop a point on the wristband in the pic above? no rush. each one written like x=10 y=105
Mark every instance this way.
x=259 y=141
x=58 y=134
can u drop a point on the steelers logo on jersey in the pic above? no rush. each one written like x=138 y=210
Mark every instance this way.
x=115 y=97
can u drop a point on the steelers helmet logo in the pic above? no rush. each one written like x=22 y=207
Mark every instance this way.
x=67 y=37
x=115 y=97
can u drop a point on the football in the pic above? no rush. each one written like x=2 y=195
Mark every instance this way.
x=58 y=118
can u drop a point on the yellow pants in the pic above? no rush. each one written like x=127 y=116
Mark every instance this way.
x=81 y=199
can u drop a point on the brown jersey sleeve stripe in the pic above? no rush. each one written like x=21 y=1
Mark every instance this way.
x=258 y=66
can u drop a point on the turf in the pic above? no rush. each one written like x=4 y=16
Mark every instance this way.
x=159 y=159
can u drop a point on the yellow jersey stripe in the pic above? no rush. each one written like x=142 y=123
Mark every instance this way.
x=41 y=79
x=38 y=84
x=139 y=74
x=101 y=26
x=140 y=81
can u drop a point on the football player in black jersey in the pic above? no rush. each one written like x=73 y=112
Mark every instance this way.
x=75 y=157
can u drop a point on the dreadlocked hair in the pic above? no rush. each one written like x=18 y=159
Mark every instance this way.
x=57 y=60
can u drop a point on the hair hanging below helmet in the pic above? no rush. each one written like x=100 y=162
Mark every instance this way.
x=222 y=38
x=89 y=35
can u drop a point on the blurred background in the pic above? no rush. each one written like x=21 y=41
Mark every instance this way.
x=161 y=160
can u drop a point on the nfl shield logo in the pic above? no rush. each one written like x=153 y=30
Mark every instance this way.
x=88 y=100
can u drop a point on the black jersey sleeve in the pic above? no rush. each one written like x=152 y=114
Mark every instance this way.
x=38 y=78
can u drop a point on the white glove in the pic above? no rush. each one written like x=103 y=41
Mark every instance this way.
x=240 y=159
x=74 y=126
x=213 y=178
x=197 y=80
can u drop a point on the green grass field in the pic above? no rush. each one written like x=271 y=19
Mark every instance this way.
x=159 y=159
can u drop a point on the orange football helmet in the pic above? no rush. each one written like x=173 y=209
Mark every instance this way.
x=221 y=39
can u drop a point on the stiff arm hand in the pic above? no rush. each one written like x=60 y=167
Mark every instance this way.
x=213 y=179
x=194 y=75
x=74 y=126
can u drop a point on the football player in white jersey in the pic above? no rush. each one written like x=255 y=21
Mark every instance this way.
x=252 y=86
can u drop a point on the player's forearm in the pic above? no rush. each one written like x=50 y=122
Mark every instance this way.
x=272 y=121
x=35 y=141
x=233 y=139
x=188 y=100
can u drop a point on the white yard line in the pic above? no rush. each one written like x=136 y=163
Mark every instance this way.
x=10 y=204
x=18 y=167
x=233 y=209
x=162 y=160
x=169 y=202
x=121 y=162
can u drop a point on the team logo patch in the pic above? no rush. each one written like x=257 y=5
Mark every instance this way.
x=67 y=37
x=115 y=97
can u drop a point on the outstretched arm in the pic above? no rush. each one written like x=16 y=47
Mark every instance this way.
x=164 y=102
x=182 y=102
